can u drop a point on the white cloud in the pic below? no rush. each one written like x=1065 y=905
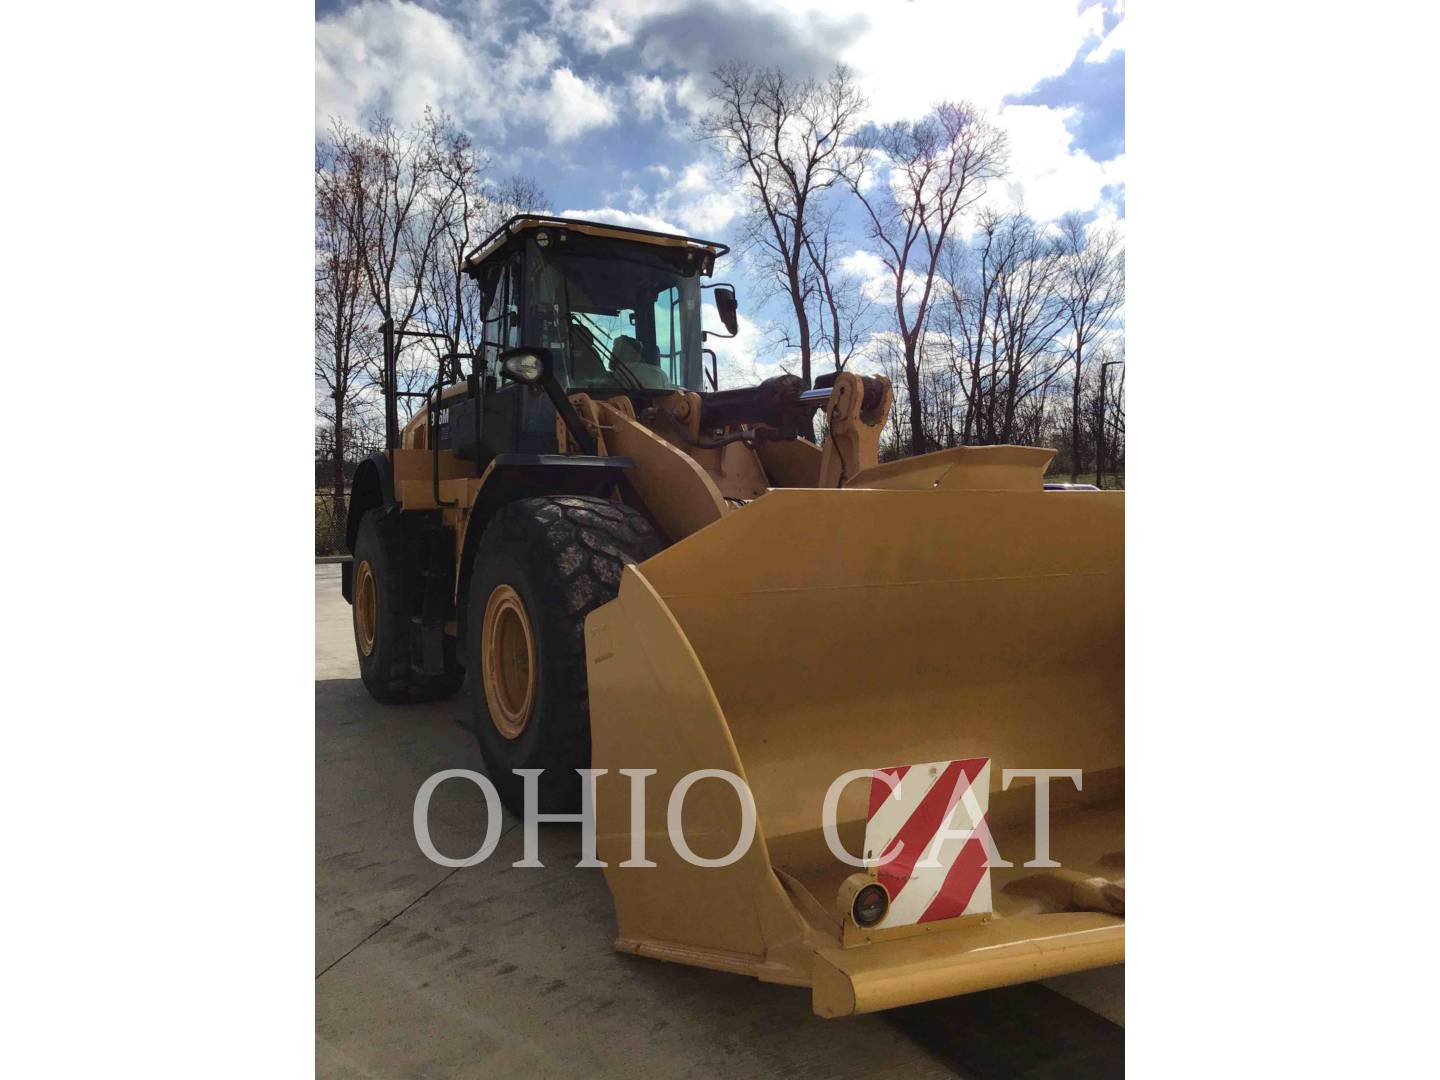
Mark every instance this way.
x=1049 y=175
x=1107 y=219
x=907 y=57
x=869 y=270
x=1114 y=42
x=862 y=264
x=398 y=54
x=710 y=213
x=692 y=95
x=701 y=199
x=696 y=177
x=1092 y=19
x=978 y=50
x=648 y=96
x=400 y=57
x=598 y=26
x=879 y=354
x=877 y=283
x=739 y=357
x=613 y=216
x=573 y=106
x=705 y=200
x=527 y=58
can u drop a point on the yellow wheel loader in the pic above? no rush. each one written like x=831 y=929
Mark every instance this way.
x=826 y=679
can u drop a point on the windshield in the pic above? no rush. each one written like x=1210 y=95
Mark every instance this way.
x=616 y=316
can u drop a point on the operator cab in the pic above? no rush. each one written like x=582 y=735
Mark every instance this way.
x=617 y=308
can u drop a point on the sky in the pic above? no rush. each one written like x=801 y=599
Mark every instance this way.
x=596 y=99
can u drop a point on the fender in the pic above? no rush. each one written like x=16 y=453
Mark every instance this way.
x=373 y=485
x=522 y=476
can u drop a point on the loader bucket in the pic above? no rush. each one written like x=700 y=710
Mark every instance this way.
x=815 y=632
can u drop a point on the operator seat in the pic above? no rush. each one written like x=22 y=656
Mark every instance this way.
x=628 y=351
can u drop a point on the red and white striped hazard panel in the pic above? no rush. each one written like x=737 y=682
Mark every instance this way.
x=930 y=875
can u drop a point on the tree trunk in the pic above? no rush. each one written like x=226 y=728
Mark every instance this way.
x=1075 y=420
x=337 y=465
x=1008 y=434
x=834 y=325
x=1100 y=432
x=917 y=413
x=802 y=320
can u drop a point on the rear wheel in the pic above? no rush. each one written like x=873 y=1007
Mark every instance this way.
x=383 y=636
x=542 y=565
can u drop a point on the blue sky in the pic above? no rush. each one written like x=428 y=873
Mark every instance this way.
x=596 y=99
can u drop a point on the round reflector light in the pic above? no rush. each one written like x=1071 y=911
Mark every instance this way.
x=870 y=905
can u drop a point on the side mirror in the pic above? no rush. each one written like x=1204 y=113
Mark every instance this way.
x=727 y=307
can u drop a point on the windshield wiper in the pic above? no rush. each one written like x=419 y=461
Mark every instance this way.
x=571 y=315
x=607 y=356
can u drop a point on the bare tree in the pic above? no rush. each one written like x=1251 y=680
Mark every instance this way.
x=397 y=210
x=788 y=141
x=889 y=354
x=505 y=199
x=402 y=211
x=845 y=314
x=454 y=197
x=1004 y=304
x=473 y=206
x=345 y=341
x=936 y=168
x=1109 y=415
x=1093 y=285
x=1115 y=431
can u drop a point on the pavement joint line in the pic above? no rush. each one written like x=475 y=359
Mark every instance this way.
x=402 y=911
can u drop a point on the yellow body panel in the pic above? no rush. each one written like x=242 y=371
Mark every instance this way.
x=671 y=484
x=963 y=468
x=998 y=953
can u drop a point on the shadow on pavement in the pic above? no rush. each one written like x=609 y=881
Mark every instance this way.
x=1026 y=1031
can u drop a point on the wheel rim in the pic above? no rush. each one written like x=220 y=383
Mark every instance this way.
x=507 y=657
x=365 y=607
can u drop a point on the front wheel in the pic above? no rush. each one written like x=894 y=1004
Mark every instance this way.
x=541 y=566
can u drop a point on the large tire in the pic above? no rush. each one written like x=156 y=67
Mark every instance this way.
x=541 y=566
x=381 y=619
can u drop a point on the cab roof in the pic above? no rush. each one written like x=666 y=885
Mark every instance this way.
x=499 y=241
